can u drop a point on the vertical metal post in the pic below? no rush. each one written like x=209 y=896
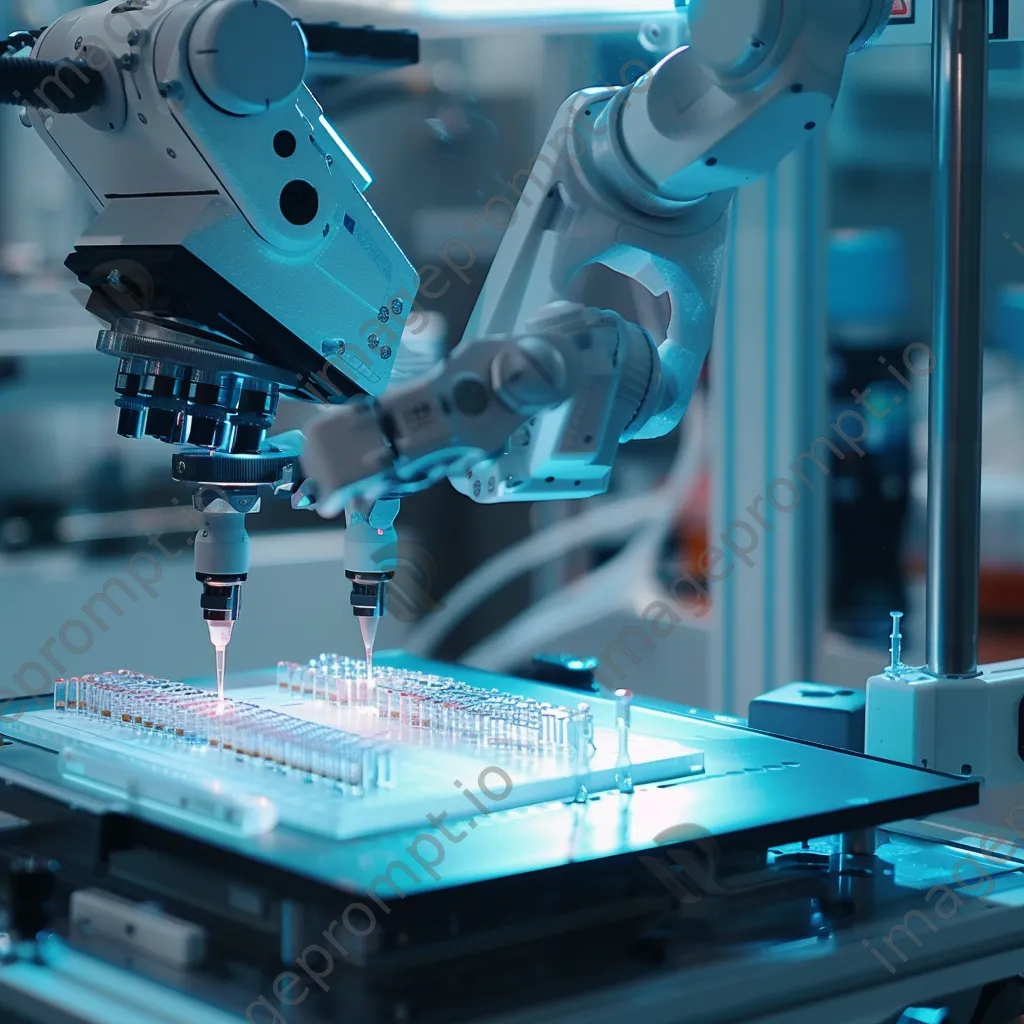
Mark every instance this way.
x=960 y=83
x=768 y=402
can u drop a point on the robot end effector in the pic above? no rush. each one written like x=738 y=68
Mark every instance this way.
x=224 y=289
x=481 y=404
x=554 y=403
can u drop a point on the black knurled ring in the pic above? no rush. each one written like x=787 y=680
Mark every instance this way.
x=205 y=467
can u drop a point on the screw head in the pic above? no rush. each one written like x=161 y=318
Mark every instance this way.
x=78 y=43
x=134 y=37
x=182 y=467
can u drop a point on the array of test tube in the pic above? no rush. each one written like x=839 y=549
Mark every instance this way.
x=195 y=718
x=441 y=705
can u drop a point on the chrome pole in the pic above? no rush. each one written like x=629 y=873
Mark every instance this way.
x=960 y=83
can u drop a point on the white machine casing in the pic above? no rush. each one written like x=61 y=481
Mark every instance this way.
x=573 y=238
x=959 y=726
x=164 y=166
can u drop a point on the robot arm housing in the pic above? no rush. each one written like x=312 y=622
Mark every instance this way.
x=625 y=212
x=225 y=197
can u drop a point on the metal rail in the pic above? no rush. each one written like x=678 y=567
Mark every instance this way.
x=960 y=82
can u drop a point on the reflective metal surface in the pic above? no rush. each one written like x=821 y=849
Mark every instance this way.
x=756 y=790
x=960 y=83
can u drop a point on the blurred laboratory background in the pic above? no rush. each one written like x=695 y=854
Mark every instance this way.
x=829 y=299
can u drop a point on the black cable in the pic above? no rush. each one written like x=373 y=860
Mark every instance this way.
x=376 y=48
x=63 y=87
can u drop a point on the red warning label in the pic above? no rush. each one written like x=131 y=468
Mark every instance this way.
x=903 y=10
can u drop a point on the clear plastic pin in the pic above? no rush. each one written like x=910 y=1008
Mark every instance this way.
x=896 y=668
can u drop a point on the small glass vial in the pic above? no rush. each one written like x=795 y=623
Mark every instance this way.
x=385 y=766
x=309 y=681
x=284 y=677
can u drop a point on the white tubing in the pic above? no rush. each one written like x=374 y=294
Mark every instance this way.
x=648 y=516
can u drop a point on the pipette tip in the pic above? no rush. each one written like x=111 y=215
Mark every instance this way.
x=221 y=659
x=220 y=637
x=368 y=627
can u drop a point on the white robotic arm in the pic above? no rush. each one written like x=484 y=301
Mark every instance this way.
x=490 y=396
x=236 y=260
x=622 y=220
x=225 y=198
x=233 y=255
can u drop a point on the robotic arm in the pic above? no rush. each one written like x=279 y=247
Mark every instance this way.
x=598 y=311
x=235 y=260
x=233 y=256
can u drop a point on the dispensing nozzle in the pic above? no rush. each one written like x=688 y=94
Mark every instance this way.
x=368 y=629
x=369 y=601
x=220 y=637
x=222 y=563
x=371 y=557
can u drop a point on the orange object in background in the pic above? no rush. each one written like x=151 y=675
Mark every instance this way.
x=1001 y=601
x=1001 y=611
x=692 y=527
x=1001 y=594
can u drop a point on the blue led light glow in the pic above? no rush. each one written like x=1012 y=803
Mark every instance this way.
x=340 y=143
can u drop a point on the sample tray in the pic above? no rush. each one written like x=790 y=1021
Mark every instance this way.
x=756 y=792
x=431 y=772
